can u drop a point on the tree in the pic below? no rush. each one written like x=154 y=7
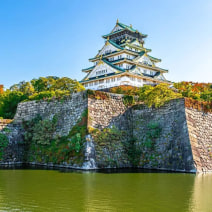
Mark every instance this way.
x=44 y=83
x=9 y=101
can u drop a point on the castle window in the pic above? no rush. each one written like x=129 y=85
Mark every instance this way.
x=96 y=83
x=145 y=71
x=86 y=84
x=101 y=72
x=151 y=73
x=139 y=80
x=113 y=80
x=119 y=57
x=118 y=78
x=108 y=81
x=101 y=81
x=91 y=84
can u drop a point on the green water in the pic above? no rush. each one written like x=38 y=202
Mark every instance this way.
x=50 y=190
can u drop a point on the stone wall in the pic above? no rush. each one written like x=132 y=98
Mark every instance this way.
x=13 y=154
x=110 y=113
x=200 y=135
x=184 y=141
x=170 y=149
x=67 y=110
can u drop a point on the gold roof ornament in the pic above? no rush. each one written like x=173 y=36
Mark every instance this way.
x=117 y=20
x=107 y=37
x=100 y=56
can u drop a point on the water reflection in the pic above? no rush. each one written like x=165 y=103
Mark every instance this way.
x=201 y=199
x=46 y=190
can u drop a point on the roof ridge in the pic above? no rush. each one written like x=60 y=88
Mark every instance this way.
x=112 y=65
x=115 y=44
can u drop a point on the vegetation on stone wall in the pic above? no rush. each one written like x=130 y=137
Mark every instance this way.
x=44 y=146
x=36 y=89
x=199 y=105
x=128 y=100
x=108 y=143
x=142 y=151
x=133 y=150
x=152 y=133
x=197 y=91
x=198 y=95
x=152 y=96
x=125 y=89
x=3 y=144
x=158 y=95
x=97 y=94
x=148 y=142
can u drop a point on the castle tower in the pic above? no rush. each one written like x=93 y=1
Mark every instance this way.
x=123 y=60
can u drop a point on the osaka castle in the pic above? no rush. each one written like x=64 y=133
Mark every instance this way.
x=123 y=60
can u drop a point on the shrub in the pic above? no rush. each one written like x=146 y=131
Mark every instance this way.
x=9 y=101
x=158 y=95
x=128 y=100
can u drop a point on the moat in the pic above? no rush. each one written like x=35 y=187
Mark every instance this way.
x=125 y=190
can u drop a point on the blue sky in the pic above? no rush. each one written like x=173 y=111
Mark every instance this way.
x=56 y=37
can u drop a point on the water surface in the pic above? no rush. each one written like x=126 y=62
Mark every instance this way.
x=53 y=190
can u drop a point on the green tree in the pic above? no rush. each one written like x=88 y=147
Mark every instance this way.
x=24 y=87
x=9 y=101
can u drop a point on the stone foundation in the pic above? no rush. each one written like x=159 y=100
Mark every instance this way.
x=183 y=144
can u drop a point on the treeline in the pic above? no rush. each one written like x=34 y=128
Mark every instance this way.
x=198 y=95
x=36 y=89
x=197 y=91
x=151 y=95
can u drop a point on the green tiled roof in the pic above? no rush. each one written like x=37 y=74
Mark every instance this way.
x=86 y=69
x=113 y=66
x=105 y=36
x=141 y=53
x=166 y=70
x=123 y=26
x=154 y=58
x=99 y=77
x=129 y=28
x=114 y=44
x=108 y=63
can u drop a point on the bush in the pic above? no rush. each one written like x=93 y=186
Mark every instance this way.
x=128 y=100
x=158 y=95
x=8 y=103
